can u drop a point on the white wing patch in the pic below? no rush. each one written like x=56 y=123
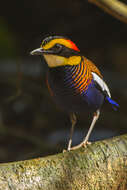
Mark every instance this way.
x=101 y=83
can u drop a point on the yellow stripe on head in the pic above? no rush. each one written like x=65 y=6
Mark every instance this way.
x=62 y=41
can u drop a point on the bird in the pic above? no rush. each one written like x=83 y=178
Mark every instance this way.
x=74 y=82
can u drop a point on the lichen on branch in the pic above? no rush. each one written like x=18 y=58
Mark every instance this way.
x=101 y=165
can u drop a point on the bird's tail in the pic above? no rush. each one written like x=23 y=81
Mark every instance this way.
x=114 y=104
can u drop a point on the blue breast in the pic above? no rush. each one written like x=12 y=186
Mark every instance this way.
x=65 y=94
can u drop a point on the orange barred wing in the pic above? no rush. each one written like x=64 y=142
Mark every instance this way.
x=92 y=67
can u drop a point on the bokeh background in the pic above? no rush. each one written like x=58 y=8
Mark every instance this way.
x=30 y=123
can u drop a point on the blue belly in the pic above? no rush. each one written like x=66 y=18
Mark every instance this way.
x=93 y=96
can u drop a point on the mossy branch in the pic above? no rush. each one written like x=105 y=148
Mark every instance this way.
x=102 y=165
x=114 y=7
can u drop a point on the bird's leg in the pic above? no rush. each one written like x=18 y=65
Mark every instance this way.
x=85 y=141
x=95 y=118
x=73 y=122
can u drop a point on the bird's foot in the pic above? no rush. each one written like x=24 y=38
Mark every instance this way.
x=65 y=150
x=88 y=142
x=82 y=144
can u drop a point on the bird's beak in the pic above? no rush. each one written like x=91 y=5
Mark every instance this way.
x=38 y=51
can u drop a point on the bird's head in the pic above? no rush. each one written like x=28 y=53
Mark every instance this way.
x=58 y=51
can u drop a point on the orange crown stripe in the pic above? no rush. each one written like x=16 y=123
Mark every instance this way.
x=73 y=46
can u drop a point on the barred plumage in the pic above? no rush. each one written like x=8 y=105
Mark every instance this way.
x=69 y=87
x=75 y=82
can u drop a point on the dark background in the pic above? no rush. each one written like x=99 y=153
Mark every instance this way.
x=30 y=123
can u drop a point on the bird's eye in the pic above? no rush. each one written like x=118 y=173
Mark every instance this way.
x=57 y=47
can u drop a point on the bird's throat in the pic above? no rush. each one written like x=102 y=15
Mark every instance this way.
x=56 y=61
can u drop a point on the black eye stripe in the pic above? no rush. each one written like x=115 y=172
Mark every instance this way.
x=61 y=50
x=56 y=48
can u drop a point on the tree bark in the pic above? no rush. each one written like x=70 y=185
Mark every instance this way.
x=116 y=8
x=100 y=166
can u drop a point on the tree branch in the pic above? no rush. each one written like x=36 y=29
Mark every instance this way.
x=113 y=7
x=102 y=165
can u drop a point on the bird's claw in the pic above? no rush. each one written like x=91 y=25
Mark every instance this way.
x=83 y=144
x=64 y=150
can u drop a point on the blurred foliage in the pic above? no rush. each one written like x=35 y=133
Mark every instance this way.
x=7 y=41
